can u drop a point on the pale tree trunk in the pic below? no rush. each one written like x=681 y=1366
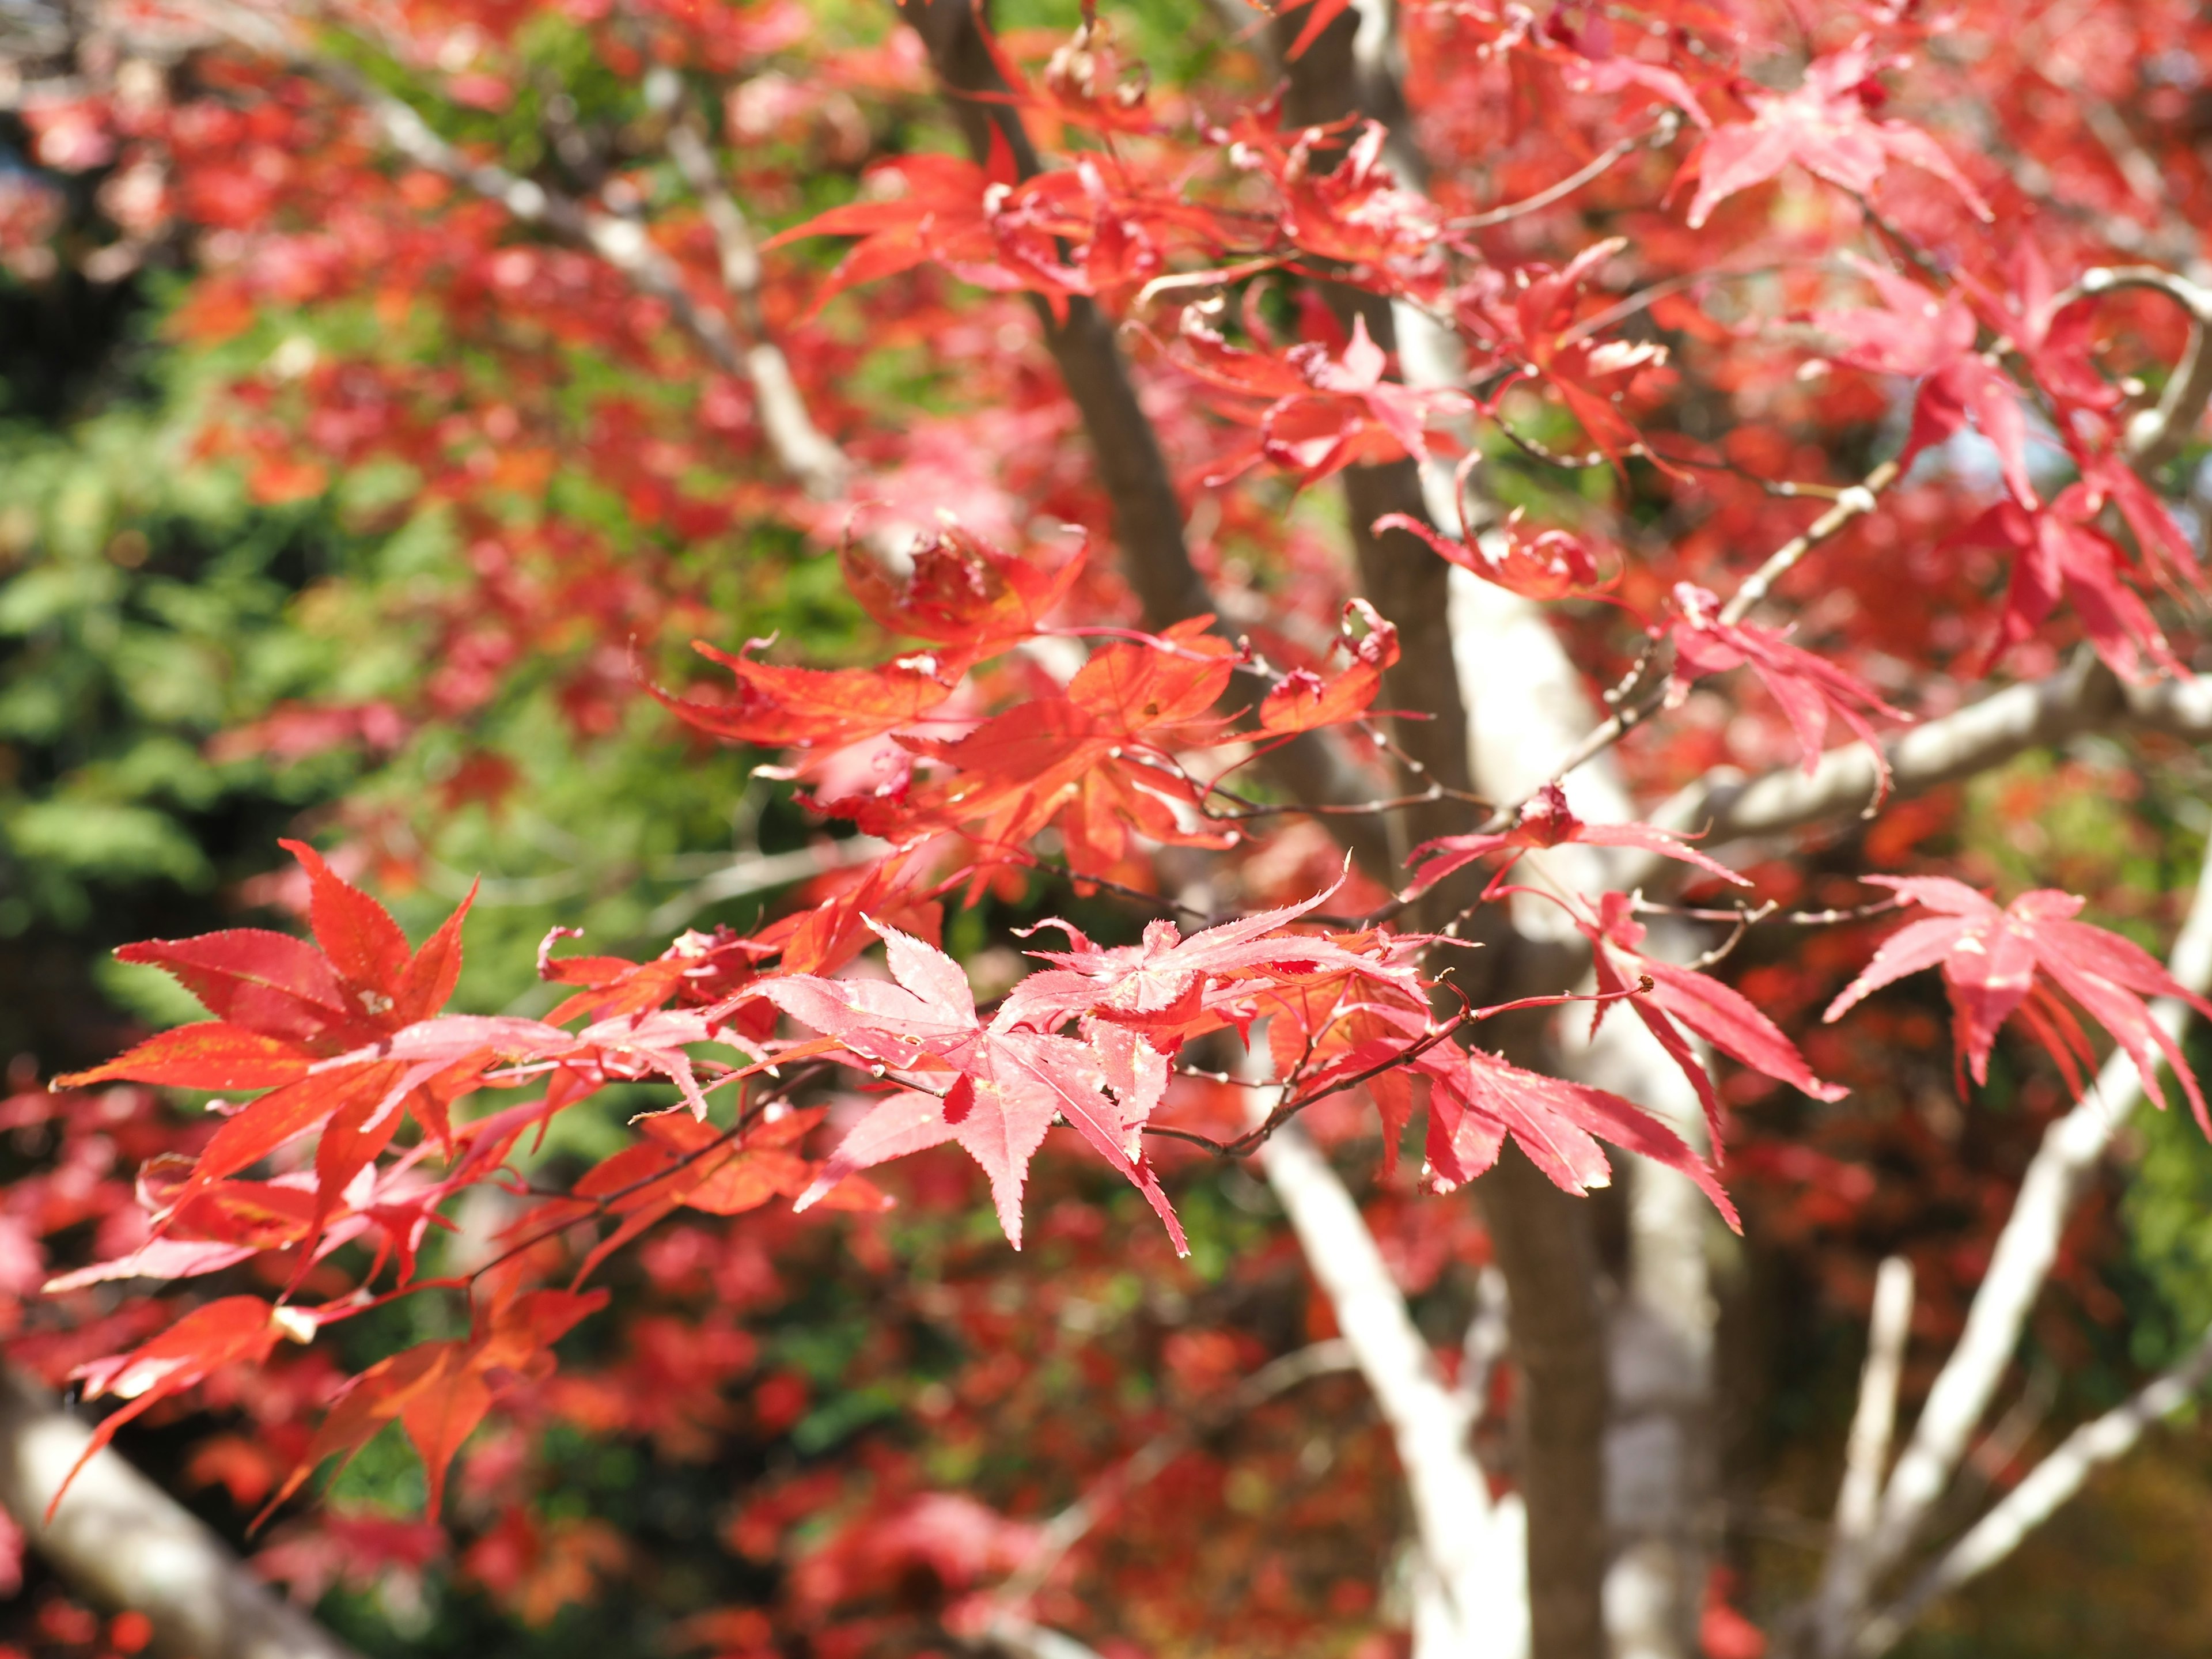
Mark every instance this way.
x=118 y=1540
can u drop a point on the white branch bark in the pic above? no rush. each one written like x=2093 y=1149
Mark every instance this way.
x=2048 y=1485
x=119 y=1539
x=1866 y=1453
x=1866 y=1458
x=2081 y=698
x=1526 y=709
x=1473 y=1603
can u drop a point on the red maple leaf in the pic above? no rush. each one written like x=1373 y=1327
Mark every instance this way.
x=1680 y=998
x=1528 y=315
x=1160 y=988
x=1546 y=820
x=993 y=1089
x=981 y=223
x=1826 y=126
x=1325 y=412
x=817 y=709
x=1476 y=1099
x=1551 y=564
x=307 y=1022
x=2058 y=550
x=1990 y=959
x=1808 y=688
x=1913 y=333
x=1094 y=760
x=233 y=1330
x=438 y=1392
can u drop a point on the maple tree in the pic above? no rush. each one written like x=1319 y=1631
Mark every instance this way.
x=1362 y=542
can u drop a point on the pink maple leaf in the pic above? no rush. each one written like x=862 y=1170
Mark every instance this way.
x=1826 y=127
x=1990 y=959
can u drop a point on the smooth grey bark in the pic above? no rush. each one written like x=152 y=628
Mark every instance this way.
x=119 y=1539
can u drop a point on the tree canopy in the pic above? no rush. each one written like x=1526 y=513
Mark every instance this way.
x=1123 y=831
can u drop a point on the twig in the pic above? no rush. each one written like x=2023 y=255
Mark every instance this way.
x=1068 y=1529
x=1851 y=504
x=759 y=872
x=1660 y=134
x=1719 y=953
x=818 y=463
x=1260 y=1132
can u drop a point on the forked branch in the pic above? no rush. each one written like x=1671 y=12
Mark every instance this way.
x=2018 y=1269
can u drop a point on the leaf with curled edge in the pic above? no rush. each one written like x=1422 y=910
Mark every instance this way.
x=960 y=590
x=1305 y=700
x=1991 y=957
x=1552 y=564
x=228 y=1223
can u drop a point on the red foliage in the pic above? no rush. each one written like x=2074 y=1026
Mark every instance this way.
x=1020 y=720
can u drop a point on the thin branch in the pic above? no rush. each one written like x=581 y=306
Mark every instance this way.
x=818 y=463
x=2155 y=435
x=1660 y=134
x=1073 y=1524
x=2048 y=1485
x=1854 y=501
x=1866 y=1456
x=761 y=872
